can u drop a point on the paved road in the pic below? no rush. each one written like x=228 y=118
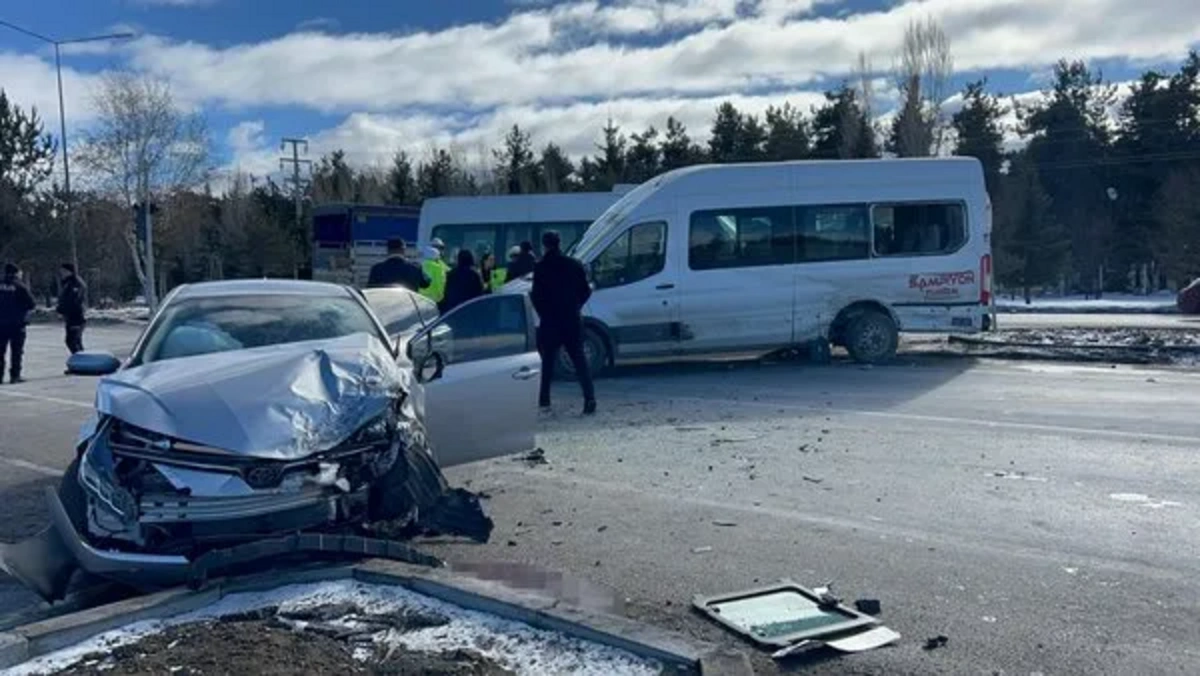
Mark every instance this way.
x=1043 y=517
x=1096 y=321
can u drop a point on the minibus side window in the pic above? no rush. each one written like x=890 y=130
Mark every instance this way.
x=639 y=252
x=919 y=229
x=740 y=238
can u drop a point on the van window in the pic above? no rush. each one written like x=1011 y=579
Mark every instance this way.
x=833 y=232
x=738 y=238
x=478 y=238
x=639 y=252
x=919 y=229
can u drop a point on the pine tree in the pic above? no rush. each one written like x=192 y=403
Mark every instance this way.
x=435 y=178
x=402 y=185
x=678 y=149
x=751 y=137
x=841 y=128
x=643 y=159
x=26 y=159
x=723 y=140
x=516 y=168
x=609 y=167
x=787 y=134
x=1029 y=236
x=977 y=126
x=557 y=171
x=911 y=134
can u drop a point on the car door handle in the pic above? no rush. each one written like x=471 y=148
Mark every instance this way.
x=525 y=373
x=664 y=287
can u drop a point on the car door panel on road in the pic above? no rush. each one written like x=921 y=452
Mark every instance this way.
x=485 y=402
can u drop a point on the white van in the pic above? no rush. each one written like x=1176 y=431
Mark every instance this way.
x=496 y=223
x=750 y=258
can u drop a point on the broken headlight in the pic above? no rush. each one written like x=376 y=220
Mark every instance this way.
x=97 y=475
x=379 y=430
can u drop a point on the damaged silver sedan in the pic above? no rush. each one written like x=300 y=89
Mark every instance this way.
x=253 y=409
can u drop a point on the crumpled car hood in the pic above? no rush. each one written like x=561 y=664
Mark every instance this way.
x=281 y=402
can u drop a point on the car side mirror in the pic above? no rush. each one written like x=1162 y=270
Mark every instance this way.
x=420 y=346
x=430 y=367
x=92 y=364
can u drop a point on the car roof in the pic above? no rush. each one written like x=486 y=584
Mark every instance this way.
x=246 y=287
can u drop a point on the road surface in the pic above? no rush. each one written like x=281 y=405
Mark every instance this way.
x=1042 y=517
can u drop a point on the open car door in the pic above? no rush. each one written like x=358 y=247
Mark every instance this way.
x=484 y=403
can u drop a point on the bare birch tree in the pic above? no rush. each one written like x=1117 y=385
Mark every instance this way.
x=142 y=147
x=923 y=70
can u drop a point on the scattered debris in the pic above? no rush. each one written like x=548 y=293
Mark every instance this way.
x=701 y=550
x=601 y=529
x=725 y=524
x=534 y=458
x=789 y=617
x=935 y=642
x=813 y=480
x=735 y=440
x=868 y=606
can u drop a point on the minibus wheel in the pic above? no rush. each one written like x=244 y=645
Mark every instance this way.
x=872 y=338
x=595 y=350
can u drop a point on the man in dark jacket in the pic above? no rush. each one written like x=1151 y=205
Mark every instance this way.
x=396 y=270
x=72 y=301
x=462 y=283
x=560 y=290
x=523 y=263
x=15 y=304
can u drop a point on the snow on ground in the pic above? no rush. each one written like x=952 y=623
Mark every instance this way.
x=516 y=646
x=1161 y=302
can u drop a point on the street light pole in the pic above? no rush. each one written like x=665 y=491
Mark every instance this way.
x=62 y=119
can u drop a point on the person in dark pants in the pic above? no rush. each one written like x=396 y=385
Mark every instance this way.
x=15 y=303
x=72 y=300
x=396 y=270
x=462 y=283
x=523 y=264
x=560 y=290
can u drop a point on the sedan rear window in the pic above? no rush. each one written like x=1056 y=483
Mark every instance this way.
x=195 y=326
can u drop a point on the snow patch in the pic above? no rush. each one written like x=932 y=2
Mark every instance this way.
x=1143 y=500
x=1161 y=302
x=516 y=646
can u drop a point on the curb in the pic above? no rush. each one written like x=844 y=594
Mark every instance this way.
x=540 y=611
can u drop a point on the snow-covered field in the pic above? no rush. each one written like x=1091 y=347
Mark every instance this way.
x=517 y=647
x=1161 y=302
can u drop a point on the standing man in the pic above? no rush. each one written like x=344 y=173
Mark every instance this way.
x=395 y=270
x=72 y=301
x=560 y=290
x=524 y=263
x=15 y=304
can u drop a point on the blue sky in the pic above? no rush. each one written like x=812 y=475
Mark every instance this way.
x=377 y=76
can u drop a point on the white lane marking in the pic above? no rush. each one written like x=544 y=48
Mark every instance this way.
x=31 y=466
x=49 y=400
x=917 y=417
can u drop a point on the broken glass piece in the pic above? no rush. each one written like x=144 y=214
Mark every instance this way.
x=781 y=614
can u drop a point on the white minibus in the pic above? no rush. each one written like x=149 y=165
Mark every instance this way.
x=751 y=258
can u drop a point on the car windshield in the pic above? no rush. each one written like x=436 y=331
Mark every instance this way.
x=400 y=310
x=194 y=326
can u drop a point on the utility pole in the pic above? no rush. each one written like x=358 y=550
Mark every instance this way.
x=297 y=185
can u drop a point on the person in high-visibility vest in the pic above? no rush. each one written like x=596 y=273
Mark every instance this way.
x=436 y=269
x=493 y=278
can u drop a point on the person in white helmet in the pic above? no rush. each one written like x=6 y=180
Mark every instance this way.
x=436 y=269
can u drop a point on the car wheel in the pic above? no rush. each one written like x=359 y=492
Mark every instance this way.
x=72 y=497
x=595 y=352
x=872 y=338
x=414 y=481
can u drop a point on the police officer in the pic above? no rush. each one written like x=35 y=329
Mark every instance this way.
x=15 y=304
x=72 y=300
x=396 y=270
x=435 y=269
x=560 y=290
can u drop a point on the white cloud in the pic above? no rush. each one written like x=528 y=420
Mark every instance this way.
x=318 y=24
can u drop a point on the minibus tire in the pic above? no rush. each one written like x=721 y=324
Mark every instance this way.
x=594 y=349
x=872 y=338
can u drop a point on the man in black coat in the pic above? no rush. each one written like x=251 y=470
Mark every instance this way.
x=396 y=270
x=463 y=283
x=15 y=304
x=523 y=264
x=72 y=301
x=560 y=290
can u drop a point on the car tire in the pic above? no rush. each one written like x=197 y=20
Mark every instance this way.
x=595 y=351
x=872 y=338
x=72 y=497
x=413 y=481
